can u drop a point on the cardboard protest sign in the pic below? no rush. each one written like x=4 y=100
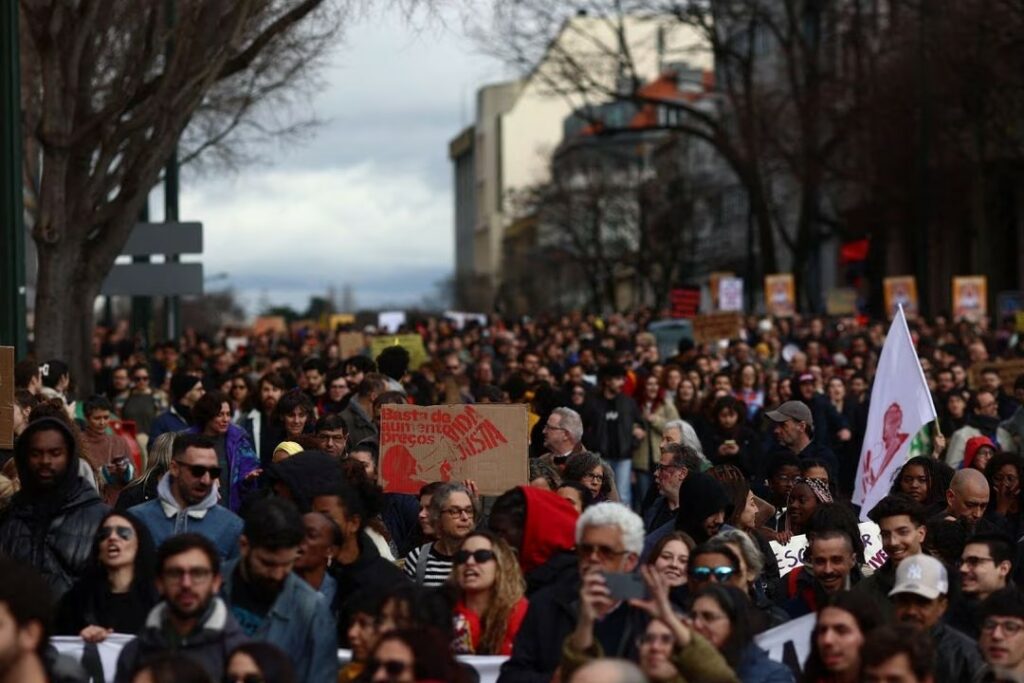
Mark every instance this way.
x=780 y=295
x=485 y=443
x=730 y=294
x=791 y=555
x=6 y=397
x=970 y=297
x=269 y=324
x=841 y=301
x=1008 y=371
x=789 y=643
x=712 y=327
x=350 y=344
x=898 y=290
x=413 y=343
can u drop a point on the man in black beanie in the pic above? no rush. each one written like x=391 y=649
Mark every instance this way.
x=185 y=391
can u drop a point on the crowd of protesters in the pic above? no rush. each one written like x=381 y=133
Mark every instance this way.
x=218 y=500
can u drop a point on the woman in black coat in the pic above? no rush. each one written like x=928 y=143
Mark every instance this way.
x=117 y=591
x=730 y=441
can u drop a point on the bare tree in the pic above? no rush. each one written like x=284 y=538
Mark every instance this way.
x=109 y=89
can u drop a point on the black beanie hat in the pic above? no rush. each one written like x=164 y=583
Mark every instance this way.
x=181 y=385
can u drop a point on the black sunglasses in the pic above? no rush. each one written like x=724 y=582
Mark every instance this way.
x=198 y=471
x=392 y=667
x=479 y=556
x=125 y=533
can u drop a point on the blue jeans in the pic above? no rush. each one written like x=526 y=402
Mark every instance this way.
x=623 y=469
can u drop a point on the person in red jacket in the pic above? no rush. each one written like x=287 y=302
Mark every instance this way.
x=491 y=605
x=541 y=527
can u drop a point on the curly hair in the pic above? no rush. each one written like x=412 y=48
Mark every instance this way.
x=509 y=588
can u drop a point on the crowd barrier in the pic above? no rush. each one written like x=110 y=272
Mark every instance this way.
x=109 y=650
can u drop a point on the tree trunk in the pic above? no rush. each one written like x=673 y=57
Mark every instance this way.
x=65 y=295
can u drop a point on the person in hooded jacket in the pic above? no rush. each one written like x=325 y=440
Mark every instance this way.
x=701 y=513
x=540 y=526
x=358 y=567
x=187 y=499
x=52 y=520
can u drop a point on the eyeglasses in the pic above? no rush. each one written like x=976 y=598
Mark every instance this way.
x=479 y=556
x=593 y=477
x=1005 y=479
x=973 y=562
x=125 y=533
x=718 y=574
x=604 y=552
x=1011 y=627
x=458 y=512
x=392 y=667
x=553 y=427
x=196 y=574
x=665 y=468
x=666 y=639
x=198 y=471
x=244 y=678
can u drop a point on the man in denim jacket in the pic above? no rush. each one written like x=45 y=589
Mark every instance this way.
x=270 y=602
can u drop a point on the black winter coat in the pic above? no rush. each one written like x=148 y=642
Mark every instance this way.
x=551 y=617
x=53 y=530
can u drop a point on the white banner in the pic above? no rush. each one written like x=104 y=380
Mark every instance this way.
x=791 y=555
x=900 y=405
x=110 y=650
x=789 y=643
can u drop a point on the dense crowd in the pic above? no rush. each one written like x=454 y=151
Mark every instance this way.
x=218 y=499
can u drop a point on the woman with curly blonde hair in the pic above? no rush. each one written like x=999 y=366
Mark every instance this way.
x=489 y=587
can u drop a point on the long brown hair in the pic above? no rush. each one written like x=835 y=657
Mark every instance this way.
x=509 y=588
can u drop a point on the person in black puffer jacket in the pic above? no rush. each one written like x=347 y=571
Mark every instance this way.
x=52 y=521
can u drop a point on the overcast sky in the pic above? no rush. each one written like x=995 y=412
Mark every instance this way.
x=367 y=200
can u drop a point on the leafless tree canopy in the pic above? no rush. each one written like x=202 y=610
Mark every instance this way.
x=110 y=88
x=851 y=119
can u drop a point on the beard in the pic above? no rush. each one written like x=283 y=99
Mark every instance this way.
x=189 y=613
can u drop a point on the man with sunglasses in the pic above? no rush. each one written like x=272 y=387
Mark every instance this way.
x=187 y=498
x=609 y=539
x=191 y=620
x=714 y=562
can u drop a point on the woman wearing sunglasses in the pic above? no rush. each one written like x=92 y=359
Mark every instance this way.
x=491 y=605
x=117 y=591
x=721 y=613
x=259 y=662
x=410 y=655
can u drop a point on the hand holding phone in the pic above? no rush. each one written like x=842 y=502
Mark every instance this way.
x=625 y=585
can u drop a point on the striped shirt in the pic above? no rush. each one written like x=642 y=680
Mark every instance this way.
x=438 y=567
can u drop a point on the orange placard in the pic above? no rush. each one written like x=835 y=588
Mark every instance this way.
x=970 y=297
x=900 y=289
x=780 y=295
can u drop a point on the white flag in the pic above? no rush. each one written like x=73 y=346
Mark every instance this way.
x=900 y=406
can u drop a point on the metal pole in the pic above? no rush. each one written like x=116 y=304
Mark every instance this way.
x=12 y=225
x=173 y=303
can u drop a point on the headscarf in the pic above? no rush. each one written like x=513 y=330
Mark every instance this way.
x=817 y=486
